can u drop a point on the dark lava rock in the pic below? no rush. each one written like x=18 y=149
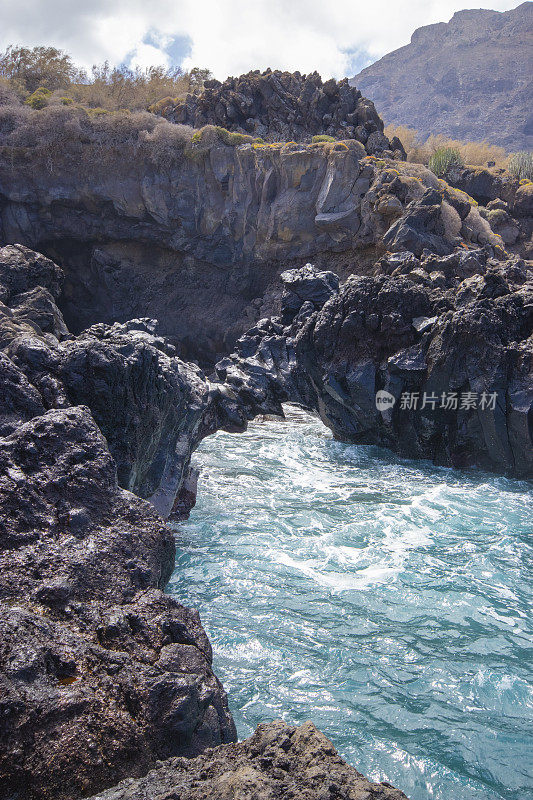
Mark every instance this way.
x=278 y=761
x=101 y=674
x=444 y=329
x=306 y=285
x=152 y=407
x=284 y=106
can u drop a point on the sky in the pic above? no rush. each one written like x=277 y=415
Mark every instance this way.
x=228 y=37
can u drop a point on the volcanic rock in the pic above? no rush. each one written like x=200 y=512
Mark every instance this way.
x=284 y=107
x=278 y=761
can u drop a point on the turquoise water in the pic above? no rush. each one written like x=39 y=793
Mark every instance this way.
x=385 y=599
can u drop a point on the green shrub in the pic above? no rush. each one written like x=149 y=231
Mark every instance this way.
x=323 y=138
x=66 y=101
x=443 y=160
x=209 y=135
x=39 y=98
x=521 y=165
x=27 y=68
x=232 y=138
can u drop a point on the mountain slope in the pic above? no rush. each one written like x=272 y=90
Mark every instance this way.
x=469 y=78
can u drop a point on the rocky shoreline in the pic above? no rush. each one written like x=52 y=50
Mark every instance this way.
x=101 y=673
x=447 y=340
x=105 y=678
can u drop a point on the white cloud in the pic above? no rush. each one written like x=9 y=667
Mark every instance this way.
x=228 y=36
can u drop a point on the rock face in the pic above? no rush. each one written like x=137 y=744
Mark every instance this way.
x=505 y=202
x=152 y=408
x=101 y=673
x=283 y=107
x=278 y=761
x=197 y=243
x=469 y=79
x=452 y=332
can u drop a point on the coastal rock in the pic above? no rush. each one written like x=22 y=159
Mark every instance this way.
x=152 y=408
x=194 y=231
x=460 y=347
x=101 y=672
x=278 y=761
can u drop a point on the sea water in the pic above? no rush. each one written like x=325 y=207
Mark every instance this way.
x=386 y=600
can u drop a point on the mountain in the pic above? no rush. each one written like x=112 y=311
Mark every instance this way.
x=469 y=78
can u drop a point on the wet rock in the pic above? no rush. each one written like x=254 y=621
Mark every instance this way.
x=89 y=694
x=152 y=407
x=461 y=350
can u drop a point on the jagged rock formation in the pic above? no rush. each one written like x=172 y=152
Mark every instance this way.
x=152 y=408
x=282 y=107
x=197 y=244
x=278 y=761
x=100 y=672
x=469 y=78
x=454 y=332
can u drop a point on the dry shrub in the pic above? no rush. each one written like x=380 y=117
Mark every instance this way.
x=23 y=70
x=58 y=136
x=420 y=150
x=451 y=220
x=407 y=136
x=478 y=229
x=122 y=88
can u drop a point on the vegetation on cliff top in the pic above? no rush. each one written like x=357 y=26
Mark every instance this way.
x=47 y=103
x=51 y=74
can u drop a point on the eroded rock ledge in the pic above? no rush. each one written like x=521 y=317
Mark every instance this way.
x=278 y=761
x=194 y=233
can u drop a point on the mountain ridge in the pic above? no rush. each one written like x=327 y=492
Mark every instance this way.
x=468 y=78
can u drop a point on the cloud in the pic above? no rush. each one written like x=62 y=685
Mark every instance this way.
x=227 y=36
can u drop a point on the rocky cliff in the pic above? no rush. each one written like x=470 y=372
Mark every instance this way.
x=444 y=342
x=469 y=78
x=194 y=232
x=101 y=673
x=282 y=107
